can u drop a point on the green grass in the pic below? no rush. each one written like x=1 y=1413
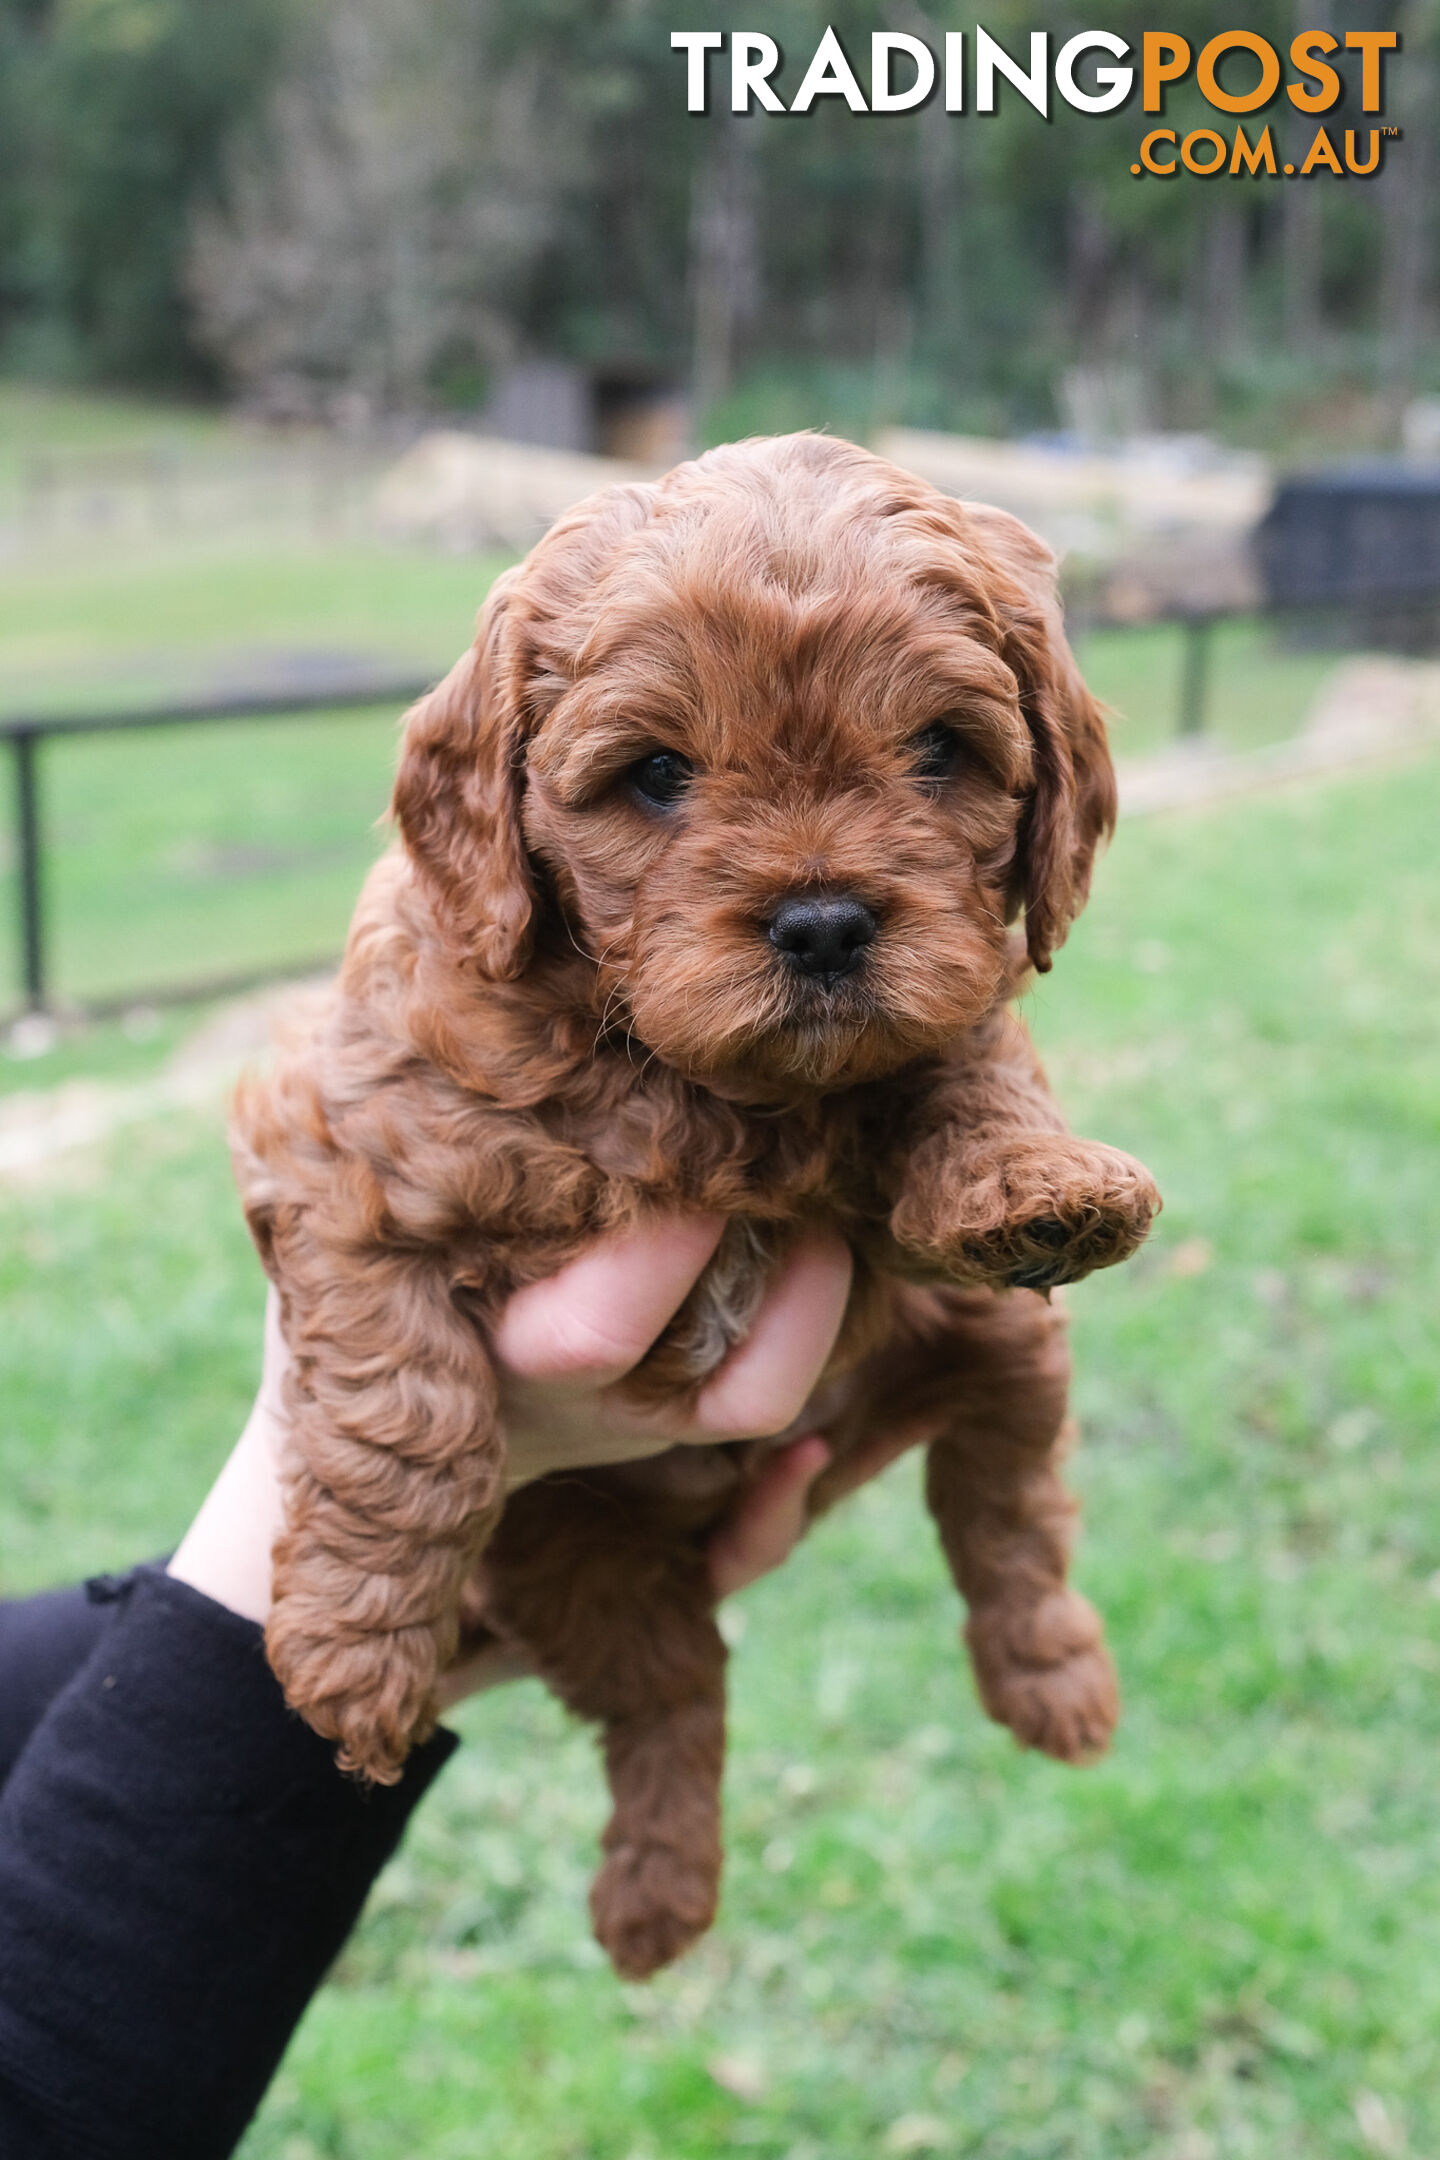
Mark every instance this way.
x=182 y=853
x=1258 y=686
x=138 y=625
x=38 y=417
x=1219 y=1942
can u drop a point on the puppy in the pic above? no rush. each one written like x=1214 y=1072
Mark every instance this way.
x=708 y=850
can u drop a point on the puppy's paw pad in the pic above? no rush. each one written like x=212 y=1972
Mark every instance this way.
x=1044 y=1212
x=648 y=1905
x=1048 y=1676
x=1047 y=1251
x=1068 y=1712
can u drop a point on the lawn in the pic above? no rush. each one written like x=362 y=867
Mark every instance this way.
x=178 y=854
x=1221 y=1941
x=41 y=419
x=1260 y=683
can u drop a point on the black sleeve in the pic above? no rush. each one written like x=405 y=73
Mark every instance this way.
x=43 y=1643
x=180 y=1861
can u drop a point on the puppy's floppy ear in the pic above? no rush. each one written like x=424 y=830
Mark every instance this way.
x=461 y=777
x=457 y=796
x=1072 y=804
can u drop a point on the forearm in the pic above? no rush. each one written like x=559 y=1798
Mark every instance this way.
x=44 y=1641
x=180 y=1861
x=993 y=1083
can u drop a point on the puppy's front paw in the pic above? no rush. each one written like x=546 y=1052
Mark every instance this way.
x=374 y=1695
x=1043 y=1211
x=649 y=1903
x=1045 y=1672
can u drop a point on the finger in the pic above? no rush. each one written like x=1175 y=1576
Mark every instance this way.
x=276 y=1359
x=487 y=1668
x=766 y=1381
x=865 y=1463
x=769 y=1519
x=595 y=1319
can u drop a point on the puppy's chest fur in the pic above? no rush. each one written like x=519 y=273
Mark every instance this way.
x=496 y=1169
x=511 y=1182
x=770 y=1173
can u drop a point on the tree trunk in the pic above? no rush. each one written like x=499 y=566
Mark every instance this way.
x=1403 y=199
x=1302 y=207
x=1221 y=283
x=723 y=257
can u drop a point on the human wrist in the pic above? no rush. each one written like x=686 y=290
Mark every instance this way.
x=227 y=1551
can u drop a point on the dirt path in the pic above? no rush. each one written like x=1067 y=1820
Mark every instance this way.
x=39 y=1125
x=1370 y=709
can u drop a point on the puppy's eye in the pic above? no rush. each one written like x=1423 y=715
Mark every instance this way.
x=934 y=752
x=662 y=778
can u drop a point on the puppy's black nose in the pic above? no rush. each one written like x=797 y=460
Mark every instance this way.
x=823 y=937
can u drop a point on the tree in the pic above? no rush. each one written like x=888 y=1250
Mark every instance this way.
x=381 y=212
x=118 y=111
x=391 y=197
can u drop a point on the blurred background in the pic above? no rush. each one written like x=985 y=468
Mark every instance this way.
x=313 y=313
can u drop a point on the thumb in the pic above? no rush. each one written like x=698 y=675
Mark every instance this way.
x=769 y=1517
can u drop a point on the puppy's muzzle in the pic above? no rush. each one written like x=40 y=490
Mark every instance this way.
x=823 y=937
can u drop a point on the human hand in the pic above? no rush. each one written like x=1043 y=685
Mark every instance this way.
x=563 y=1347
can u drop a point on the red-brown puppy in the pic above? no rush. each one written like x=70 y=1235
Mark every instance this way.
x=708 y=849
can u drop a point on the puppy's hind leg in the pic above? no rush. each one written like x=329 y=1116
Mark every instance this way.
x=617 y=1610
x=1006 y=1521
x=657 y=1891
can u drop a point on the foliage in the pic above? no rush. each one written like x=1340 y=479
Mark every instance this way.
x=386 y=202
x=114 y=114
x=1221 y=1941
x=379 y=224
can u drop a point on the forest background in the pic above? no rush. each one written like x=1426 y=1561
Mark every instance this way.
x=345 y=209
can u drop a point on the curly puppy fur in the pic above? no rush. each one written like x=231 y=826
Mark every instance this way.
x=787 y=675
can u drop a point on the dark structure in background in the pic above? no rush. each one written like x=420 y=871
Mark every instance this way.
x=623 y=412
x=1362 y=544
